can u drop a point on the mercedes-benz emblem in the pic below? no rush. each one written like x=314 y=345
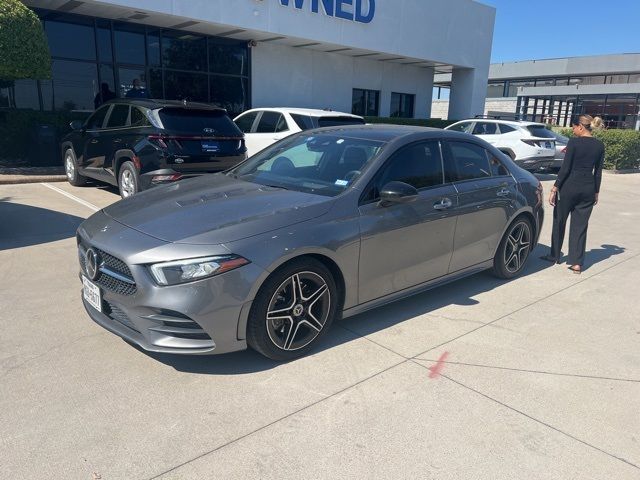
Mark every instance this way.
x=92 y=263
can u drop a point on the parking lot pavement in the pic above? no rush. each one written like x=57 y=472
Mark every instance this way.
x=537 y=378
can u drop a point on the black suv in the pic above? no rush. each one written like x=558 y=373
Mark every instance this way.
x=135 y=144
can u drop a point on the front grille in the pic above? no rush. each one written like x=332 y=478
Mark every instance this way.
x=110 y=269
x=115 y=313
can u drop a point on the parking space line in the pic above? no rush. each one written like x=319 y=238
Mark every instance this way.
x=72 y=197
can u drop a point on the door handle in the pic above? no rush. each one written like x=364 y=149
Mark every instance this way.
x=443 y=204
x=117 y=140
x=94 y=141
x=503 y=192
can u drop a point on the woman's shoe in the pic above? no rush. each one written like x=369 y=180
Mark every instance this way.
x=577 y=269
x=550 y=258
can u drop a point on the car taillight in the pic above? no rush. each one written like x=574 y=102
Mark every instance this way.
x=166 y=178
x=157 y=140
x=531 y=143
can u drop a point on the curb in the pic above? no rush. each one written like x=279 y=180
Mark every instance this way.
x=19 y=179
x=622 y=172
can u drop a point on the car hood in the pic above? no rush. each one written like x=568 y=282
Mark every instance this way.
x=215 y=209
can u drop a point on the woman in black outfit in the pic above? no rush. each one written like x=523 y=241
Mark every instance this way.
x=576 y=191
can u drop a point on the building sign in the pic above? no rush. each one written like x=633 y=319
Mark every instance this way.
x=361 y=11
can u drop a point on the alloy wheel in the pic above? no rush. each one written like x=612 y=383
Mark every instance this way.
x=518 y=247
x=127 y=183
x=298 y=311
x=69 y=166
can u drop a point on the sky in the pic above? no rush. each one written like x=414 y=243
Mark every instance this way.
x=538 y=29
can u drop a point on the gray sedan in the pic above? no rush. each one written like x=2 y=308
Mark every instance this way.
x=324 y=224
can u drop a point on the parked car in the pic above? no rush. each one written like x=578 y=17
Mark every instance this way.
x=561 y=149
x=531 y=145
x=270 y=253
x=136 y=144
x=264 y=126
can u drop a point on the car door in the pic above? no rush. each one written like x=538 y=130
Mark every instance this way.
x=404 y=245
x=247 y=123
x=487 y=196
x=487 y=131
x=270 y=128
x=114 y=137
x=92 y=152
x=464 y=127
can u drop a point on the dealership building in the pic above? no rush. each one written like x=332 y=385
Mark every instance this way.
x=373 y=57
x=554 y=90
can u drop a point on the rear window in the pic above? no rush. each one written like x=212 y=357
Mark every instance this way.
x=303 y=121
x=199 y=122
x=339 y=121
x=540 y=131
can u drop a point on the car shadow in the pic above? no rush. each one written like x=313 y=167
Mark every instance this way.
x=461 y=292
x=25 y=225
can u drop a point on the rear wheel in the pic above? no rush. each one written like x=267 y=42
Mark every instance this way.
x=128 y=180
x=514 y=249
x=293 y=310
x=71 y=169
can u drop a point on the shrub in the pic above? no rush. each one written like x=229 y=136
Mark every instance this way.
x=420 y=122
x=622 y=147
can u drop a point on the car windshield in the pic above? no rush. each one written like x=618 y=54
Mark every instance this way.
x=540 y=131
x=324 y=164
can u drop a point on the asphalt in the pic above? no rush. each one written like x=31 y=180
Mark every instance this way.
x=537 y=378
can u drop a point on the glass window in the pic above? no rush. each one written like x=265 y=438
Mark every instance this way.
x=513 y=86
x=634 y=78
x=195 y=121
x=133 y=83
x=96 y=120
x=185 y=86
x=119 y=116
x=138 y=118
x=365 y=102
x=540 y=131
x=461 y=127
x=155 y=83
x=184 y=51
x=282 y=125
x=228 y=57
x=268 y=122
x=153 y=48
x=75 y=85
x=495 y=90
x=339 y=121
x=303 y=121
x=468 y=161
x=105 y=49
x=71 y=40
x=245 y=122
x=129 y=42
x=485 y=128
x=107 y=83
x=497 y=168
x=418 y=165
x=19 y=94
x=230 y=93
x=545 y=82
x=506 y=128
x=402 y=105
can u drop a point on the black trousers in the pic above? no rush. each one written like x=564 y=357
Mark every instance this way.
x=576 y=199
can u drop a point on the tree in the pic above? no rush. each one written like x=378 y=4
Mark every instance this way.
x=23 y=45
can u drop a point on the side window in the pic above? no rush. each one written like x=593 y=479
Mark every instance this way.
x=119 y=116
x=462 y=127
x=245 y=122
x=304 y=122
x=138 y=118
x=485 y=128
x=506 y=129
x=497 y=168
x=96 y=120
x=282 y=125
x=418 y=165
x=466 y=161
x=268 y=122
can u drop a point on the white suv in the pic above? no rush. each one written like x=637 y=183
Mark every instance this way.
x=531 y=145
x=264 y=126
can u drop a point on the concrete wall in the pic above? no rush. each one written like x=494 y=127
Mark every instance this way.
x=295 y=77
x=440 y=108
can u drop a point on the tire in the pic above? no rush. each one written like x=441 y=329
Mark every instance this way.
x=509 y=154
x=283 y=327
x=514 y=249
x=128 y=180
x=71 y=169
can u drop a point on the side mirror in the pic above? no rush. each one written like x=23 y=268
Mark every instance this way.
x=397 y=192
x=76 y=125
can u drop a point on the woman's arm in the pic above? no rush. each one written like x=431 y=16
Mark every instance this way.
x=565 y=169
x=597 y=172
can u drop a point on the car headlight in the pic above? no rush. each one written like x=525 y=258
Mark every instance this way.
x=183 y=271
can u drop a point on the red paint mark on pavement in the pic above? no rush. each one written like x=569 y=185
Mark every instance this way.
x=437 y=368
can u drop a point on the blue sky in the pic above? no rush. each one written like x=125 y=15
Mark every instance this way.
x=528 y=30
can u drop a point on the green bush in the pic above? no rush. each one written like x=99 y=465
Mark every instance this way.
x=23 y=45
x=17 y=130
x=420 y=122
x=622 y=147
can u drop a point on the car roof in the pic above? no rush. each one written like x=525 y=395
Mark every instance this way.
x=515 y=123
x=312 y=112
x=154 y=104
x=386 y=132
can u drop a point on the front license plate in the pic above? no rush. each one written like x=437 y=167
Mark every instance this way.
x=210 y=147
x=91 y=293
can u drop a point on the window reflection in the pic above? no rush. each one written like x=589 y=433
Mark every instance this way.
x=185 y=86
x=184 y=52
x=133 y=83
x=228 y=57
x=105 y=50
x=129 y=42
x=71 y=40
x=153 y=47
x=230 y=93
x=75 y=85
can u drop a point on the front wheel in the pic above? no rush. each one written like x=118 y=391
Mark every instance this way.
x=71 y=169
x=293 y=310
x=128 y=180
x=514 y=250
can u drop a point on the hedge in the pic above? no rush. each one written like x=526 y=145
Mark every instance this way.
x=419 y=122
x=622 y=147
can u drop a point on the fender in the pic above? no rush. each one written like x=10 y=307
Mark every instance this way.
x=119 y=157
